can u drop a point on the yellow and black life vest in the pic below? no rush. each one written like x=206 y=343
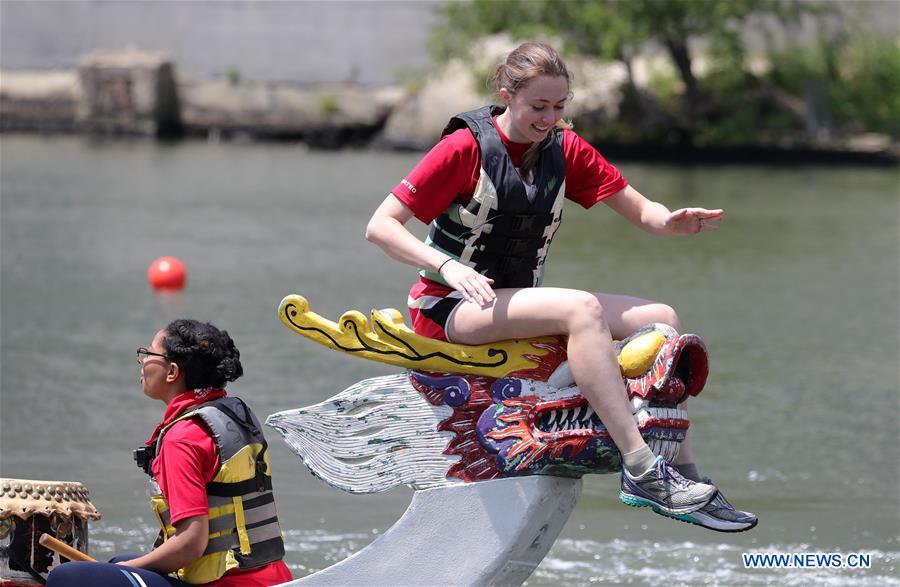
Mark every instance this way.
x=243 y=525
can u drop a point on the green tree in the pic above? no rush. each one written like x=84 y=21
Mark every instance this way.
x=618 y=30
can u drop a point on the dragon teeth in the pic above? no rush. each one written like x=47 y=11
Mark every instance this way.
x=637 y=402
x=664 y=413
x=577 y=418
x=551 y=421
x=582 y=413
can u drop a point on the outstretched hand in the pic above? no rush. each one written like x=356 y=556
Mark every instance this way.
x=473 y=286
x=693 y=220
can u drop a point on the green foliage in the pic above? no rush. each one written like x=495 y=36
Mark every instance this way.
x=856 y=86
x=412 y=79
x=328 y=105
x=464 y=22
x=869 y=87
x=233 y=76
x=665 y=85
x=610 y=29
x=483 y=79
x=841 y=84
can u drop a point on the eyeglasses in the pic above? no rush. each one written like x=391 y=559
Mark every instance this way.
x=143 y=353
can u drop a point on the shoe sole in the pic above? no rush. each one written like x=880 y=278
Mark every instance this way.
x=639 y=502
x=636 y=502
x=729 y=527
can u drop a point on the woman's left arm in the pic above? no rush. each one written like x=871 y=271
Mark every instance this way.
x=185 y=547
x=657 y=219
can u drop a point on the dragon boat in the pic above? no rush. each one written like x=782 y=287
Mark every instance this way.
x=494 y=439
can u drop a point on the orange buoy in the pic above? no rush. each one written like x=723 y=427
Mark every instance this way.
x=166 y=273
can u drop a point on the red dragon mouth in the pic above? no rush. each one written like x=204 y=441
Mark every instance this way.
x=575 y=418
x=564 y=418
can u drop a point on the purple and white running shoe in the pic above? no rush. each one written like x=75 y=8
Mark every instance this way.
x=720 y=515
x=665 y=490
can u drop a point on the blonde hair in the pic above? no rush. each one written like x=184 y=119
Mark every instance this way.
x=523 y=64
x=526 y=62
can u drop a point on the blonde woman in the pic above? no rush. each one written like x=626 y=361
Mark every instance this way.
x=492 y=190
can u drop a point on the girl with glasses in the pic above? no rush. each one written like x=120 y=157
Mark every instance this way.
x=209 y=475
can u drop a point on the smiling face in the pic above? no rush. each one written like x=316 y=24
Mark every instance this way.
x=159 y=376
x=534 y=109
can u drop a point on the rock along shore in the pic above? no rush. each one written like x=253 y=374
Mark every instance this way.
x=138 y=93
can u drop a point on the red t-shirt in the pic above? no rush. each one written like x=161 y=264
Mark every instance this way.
x=450 y=172
x=187 y=461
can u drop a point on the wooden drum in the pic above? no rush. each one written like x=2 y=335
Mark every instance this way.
x=29 y=509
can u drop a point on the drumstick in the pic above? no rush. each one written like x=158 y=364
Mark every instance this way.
x=63 y=549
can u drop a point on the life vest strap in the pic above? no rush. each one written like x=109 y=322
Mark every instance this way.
x=520 y=223
x=241 y=525
x=256 y=535
x=252 y=515
x=251 y=500
x=499 y=223
x=512 y=246
x=492 y=247
x=261 y=482
x=163 y=518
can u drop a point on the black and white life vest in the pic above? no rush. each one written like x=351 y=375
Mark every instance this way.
x=505 y=230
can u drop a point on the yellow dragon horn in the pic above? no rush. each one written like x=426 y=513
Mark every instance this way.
x=386 y=339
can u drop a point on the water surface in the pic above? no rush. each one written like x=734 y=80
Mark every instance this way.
x=796 y=297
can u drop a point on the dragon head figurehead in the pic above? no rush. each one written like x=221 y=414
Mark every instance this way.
x=472 y=413
x=536 y=421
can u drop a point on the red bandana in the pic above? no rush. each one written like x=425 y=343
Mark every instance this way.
x=183 y=402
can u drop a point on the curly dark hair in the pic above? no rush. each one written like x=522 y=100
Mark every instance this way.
x=206 y=355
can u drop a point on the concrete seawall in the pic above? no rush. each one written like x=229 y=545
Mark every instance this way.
x=142 y=94
x=136 y=93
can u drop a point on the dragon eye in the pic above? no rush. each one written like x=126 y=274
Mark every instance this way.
x=505 y=388
x=454 y=396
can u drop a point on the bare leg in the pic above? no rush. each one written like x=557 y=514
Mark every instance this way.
x=590 y=321
x=627 y=314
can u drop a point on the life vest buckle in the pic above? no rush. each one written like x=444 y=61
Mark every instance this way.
x=260 y=475
x=144 y=456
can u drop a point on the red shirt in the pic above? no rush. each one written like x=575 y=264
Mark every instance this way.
x=187 y=461
x=450 y=171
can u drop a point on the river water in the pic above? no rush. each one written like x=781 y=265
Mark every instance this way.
x=796 y=297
